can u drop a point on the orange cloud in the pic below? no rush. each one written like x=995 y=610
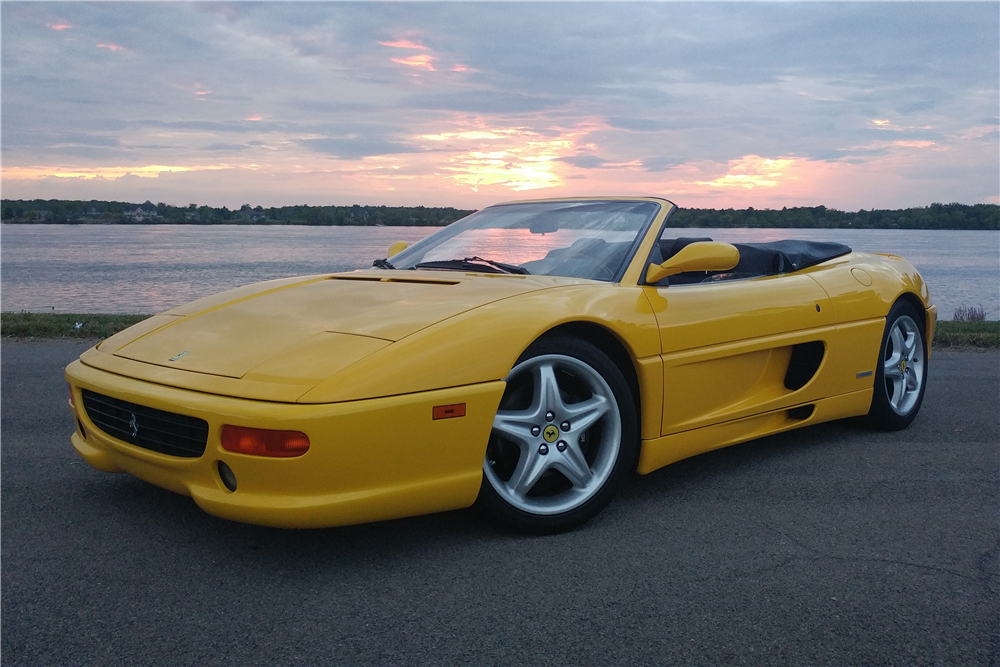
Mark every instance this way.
x=113 y=47
x=423 y=61
x=58 y=26
x=405 y=44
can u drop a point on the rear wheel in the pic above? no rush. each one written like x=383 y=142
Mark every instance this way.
x=564 y=438
x=901 y=375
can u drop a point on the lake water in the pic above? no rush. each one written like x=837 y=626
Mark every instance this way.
x=150 y=268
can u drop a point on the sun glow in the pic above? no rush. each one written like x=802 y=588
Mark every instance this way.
x=752 y=171
x=512 y=158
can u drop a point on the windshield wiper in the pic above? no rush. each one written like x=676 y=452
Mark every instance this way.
x=473 y=264
x=382 y=264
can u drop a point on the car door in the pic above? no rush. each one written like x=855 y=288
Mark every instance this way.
x=727 y=345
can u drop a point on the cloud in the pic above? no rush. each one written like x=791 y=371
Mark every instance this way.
x=404 y=44
x=227 y=148
x=566 y=98
x=584 y=161
x=356 y=148
x=422 y=61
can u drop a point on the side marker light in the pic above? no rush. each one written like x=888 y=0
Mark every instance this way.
x=449 y=411
x=264 y=442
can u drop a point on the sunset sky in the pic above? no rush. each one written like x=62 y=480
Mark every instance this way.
x=849 y=105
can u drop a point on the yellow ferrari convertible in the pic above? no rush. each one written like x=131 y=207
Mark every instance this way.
x=529 y=359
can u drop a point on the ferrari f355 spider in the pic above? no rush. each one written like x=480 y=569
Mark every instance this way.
x=529 y=358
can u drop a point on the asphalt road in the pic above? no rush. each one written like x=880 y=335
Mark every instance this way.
x=829 y=545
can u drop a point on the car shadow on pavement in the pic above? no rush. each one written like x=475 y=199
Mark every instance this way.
x=123 y=505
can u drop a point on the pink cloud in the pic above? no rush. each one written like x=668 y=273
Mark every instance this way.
x=405 y=44
x=254 y=117
x=112 y=47
x=58 y=26
x=423 y=61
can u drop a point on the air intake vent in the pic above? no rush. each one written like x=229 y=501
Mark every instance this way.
x=801 y=412
x=155 y=430
x=805 y=361
x=388 y=279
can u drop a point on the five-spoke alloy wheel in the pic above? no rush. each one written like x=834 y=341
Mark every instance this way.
x=563 y=440
x=901 y=376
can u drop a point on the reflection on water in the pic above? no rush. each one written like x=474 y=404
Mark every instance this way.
x=150 y=268
x=516 y=246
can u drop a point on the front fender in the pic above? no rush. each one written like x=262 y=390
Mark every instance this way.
x=482 y=344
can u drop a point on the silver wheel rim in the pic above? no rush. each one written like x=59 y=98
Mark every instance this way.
x=903 y=365
x=554 y=472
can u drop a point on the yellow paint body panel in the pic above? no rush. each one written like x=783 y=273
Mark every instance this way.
x=367 y=460
x=358 y=361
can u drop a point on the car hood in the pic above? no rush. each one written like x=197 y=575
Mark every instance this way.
x=304 y=330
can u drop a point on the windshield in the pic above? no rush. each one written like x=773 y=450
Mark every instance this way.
x=578 y=239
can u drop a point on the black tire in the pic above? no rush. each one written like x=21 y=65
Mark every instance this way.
x=543 y=472
x=901 y=373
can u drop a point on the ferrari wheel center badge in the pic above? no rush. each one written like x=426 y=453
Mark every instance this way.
x=551 y=433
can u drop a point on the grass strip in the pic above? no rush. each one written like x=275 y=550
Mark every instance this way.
x=64 y=326
x=952 y=335
x=984 y=335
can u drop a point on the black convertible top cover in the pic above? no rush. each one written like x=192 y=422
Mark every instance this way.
x=786 y=256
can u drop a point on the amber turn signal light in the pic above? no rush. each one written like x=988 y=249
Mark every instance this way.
x=264 y=442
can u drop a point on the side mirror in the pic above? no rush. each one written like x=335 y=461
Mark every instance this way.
x=700 y=256
x=396 y=248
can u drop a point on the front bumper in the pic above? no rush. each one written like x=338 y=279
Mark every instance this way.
x=369 y=460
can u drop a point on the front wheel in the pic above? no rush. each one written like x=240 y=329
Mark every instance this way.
x=901 y=374
x=564 y=439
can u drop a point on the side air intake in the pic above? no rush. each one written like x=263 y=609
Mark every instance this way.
x=805 y=361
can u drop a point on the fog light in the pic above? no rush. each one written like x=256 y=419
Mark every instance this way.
x=227 y=476
x=264 y=442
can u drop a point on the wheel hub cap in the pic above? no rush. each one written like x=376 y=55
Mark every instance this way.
x=567 y=399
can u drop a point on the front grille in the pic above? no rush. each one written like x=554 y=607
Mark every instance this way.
x=156 y=430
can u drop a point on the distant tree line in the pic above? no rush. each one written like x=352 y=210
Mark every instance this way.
x=55 y=211
x=935 y=216
x=58 y=211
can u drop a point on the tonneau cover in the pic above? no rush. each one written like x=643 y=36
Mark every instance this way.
x=785 y=256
